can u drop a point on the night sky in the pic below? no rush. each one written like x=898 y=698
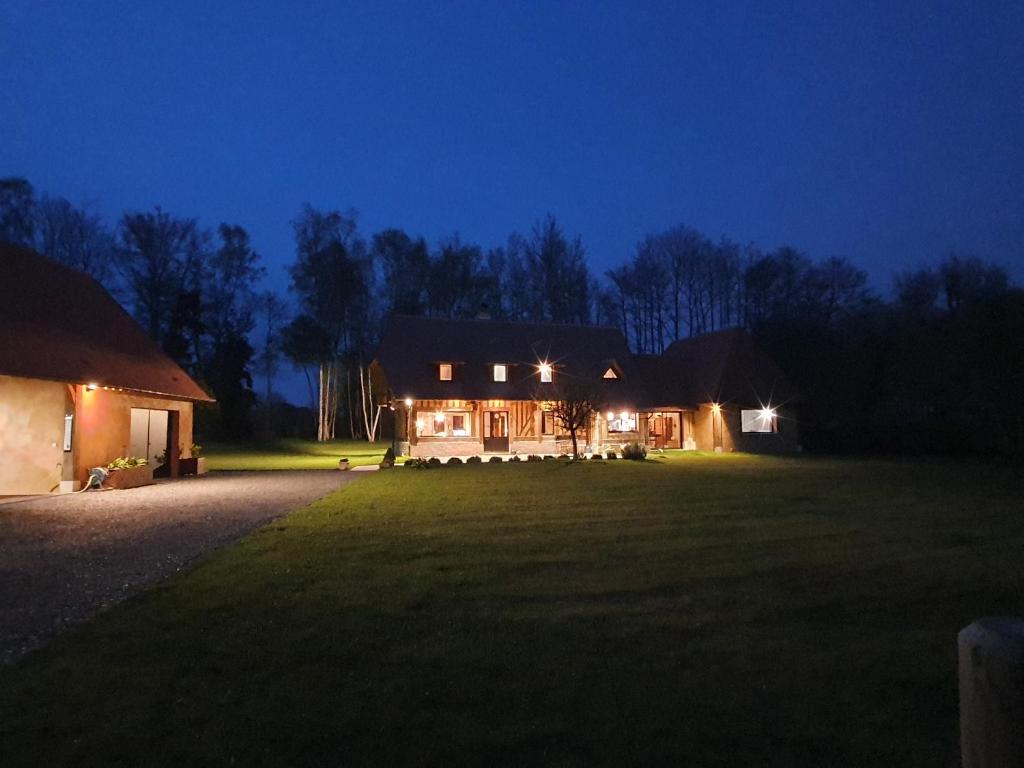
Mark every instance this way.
x=887 y=132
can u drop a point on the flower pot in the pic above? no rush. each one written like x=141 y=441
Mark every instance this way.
x=343 y=464
x=129 y=478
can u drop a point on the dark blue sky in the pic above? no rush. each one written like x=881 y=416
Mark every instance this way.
x=888 y=132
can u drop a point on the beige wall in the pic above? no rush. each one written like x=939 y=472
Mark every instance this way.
x=103 y=425
x=31 y=435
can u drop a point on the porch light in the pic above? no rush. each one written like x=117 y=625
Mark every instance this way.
x=408 y=402
x=716 y=408
x=92 y=385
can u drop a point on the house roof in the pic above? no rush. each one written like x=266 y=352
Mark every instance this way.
x=60 y=324
x=721 y=367
x=413 y=347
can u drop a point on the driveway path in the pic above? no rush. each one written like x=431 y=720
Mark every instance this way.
x=62 y=558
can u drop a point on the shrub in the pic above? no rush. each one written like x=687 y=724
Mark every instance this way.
x=494 y=460
x=634 y=451
x=454 y=460
x=533 y=457
x=549 y=457
x=196 y=450
x=434 y=461
x=563 y=457
x=610 y=453
x=475 y=460
x=596 y=457
x=389 y=459
x=515 y=458
x=414 y=464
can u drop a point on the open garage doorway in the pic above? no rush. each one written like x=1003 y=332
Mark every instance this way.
x=154 y=436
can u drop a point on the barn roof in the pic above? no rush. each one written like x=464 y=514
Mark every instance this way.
x=413 y=347
x=60 y=324
x=724 y=366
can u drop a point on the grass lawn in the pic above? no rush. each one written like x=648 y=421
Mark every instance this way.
x=704 y=611
x=293 y=454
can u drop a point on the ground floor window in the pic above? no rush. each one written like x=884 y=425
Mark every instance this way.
x=623 y=421
x=444 y=424
x=763 y=420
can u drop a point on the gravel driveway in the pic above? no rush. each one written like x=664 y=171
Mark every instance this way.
x=62 y=558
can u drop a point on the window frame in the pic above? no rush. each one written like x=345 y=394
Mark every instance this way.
x=504 y=372
x=772 y=427
x=441 y=371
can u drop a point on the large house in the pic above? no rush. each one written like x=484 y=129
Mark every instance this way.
x=477 y=387
x=80 y=382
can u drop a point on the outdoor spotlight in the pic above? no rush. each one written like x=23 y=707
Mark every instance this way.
x=408 y=402
x=91 y=386
x=767 y=414
x=715 y=408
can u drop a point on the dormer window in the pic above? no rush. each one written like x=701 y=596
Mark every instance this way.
x=444 y=371
x=500 y=372
x=544 y=369
x=610 y=374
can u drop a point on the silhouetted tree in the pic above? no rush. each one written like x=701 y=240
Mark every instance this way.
x=17 y=208
x=76 y=237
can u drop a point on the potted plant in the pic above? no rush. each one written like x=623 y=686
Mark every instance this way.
x=194 y=464
x=129 y=472
x=343 y=464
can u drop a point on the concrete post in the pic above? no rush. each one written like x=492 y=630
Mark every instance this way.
x=991 y=655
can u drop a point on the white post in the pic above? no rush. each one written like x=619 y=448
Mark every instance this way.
x=991 y=655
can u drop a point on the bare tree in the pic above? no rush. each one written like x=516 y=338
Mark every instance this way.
x=76 y=237
x=573 y=402
x=17 y=204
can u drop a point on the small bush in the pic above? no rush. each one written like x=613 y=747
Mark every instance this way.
x=434 y=461
x=634 y=451
x=563 y=457
x=474 y=460
x=533 y=457
x=611 y=454
x=597 y=457
x=413 y=464
x=515 y=458
x=494 y=460
x=454 y=460
x=549 y=457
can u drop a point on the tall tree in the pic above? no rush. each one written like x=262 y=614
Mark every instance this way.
x=160 y=258
x=329 y=278
x=271 y=312
x=405 y=264
x=559 y=273
x=76 y=237
x=17 y=206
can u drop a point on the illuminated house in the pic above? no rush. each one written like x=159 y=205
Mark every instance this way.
x=476 y=387
x=80 y=382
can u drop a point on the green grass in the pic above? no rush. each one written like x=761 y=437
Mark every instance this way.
x=700 y=611
x=293 y=454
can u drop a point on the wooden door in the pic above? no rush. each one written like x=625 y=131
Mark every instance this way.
x=496 y=432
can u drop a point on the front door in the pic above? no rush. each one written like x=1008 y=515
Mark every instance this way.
x=496 y=432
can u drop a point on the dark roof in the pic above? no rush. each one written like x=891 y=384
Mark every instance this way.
x=720 y=367
x=59 y=324
x=413 y=347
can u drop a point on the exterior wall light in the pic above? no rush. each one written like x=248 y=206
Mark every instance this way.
x=716 y=408
x=91 y=386
x=408 y=402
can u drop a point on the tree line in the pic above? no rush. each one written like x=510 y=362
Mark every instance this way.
x=933 y=366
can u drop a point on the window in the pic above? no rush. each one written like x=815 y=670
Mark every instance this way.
x=545 y=373
x=621 y=422
x=610 y=374
x=547 y=423
x=501 y=372
x=763 y=420
x=444 y=371
x=444 y=424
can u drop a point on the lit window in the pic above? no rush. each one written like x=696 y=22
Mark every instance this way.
x=444 y=424
x=610 y=374
x=621 y=422
x=501 y=372
x=545 y=373
x=763 y=420
x=445 y=371
x=547 y=423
